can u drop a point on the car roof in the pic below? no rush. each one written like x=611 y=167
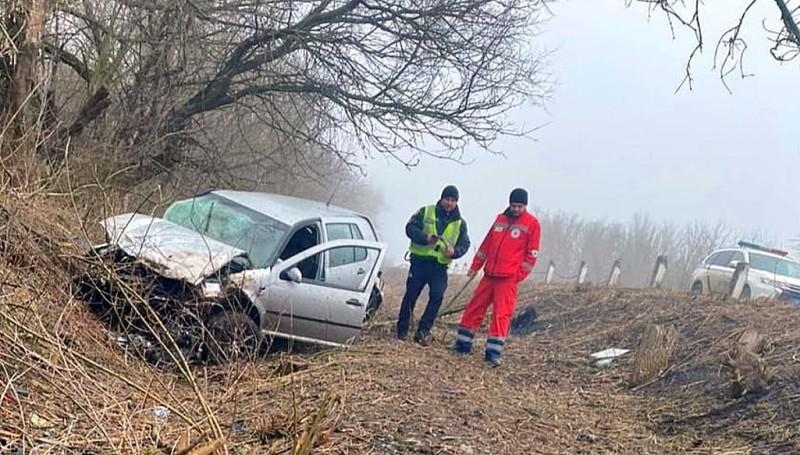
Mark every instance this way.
x=287 y=209
x=756 y=251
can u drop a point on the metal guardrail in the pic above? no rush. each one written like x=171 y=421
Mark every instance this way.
x=657 y=278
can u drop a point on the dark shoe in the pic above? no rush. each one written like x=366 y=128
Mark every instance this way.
x=494 y=363
x=493 y=359
x=423 y=340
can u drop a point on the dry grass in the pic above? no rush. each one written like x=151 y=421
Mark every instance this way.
x=65 y=387
x=653 y=353
x=548 y=398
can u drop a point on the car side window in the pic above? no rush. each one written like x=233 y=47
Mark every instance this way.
x=338 y=231
x=360 y=253
x=738 y=256
x=343 y=256
x=764 y=263
x=346 y=280
x=303 y=239
x=712 y=258
x=723 y=259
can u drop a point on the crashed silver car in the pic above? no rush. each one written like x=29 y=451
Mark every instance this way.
x=251 y=266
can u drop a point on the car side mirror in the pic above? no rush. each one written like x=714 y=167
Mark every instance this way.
x=734 y=264
x=293 y=274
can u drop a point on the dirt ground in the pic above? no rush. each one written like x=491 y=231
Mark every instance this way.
x=548 y=397
x=67 y=388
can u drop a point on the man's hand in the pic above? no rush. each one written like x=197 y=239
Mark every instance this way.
x=432 y=239
x=450 y=251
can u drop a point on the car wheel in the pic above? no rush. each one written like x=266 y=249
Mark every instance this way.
x=697 y=288
x=232 y=335
x=374 y=303
x=746 y=293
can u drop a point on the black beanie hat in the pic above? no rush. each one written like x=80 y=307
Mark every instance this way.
x=450 y=191
x=518 y=196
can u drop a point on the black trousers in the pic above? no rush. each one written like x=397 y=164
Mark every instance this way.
x=423 y=272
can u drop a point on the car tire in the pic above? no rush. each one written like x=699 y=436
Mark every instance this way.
x=697 y=288
x=747 y=293
x=232 y=335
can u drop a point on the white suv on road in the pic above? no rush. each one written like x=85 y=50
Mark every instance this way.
x=771 y=273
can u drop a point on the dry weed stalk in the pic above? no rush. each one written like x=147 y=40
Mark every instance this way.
x=654 y=353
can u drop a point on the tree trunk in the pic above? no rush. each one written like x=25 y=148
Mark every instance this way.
x=26 y=21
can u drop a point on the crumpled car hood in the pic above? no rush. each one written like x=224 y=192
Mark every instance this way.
x=171 y=250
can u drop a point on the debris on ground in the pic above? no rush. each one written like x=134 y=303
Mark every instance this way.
x=605 y=357
x=524 y=323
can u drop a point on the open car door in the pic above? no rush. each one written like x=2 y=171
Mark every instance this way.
x=308 y=306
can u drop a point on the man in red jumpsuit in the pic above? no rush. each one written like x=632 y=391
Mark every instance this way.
x=507 y=255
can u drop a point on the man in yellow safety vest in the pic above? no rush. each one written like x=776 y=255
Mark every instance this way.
x=438 y=235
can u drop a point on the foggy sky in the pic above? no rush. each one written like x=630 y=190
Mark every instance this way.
x=619 y=140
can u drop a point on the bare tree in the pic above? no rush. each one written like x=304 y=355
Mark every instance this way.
x=345 y=78
x=21 y=28
x=731 y=45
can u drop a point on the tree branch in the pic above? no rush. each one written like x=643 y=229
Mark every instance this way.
x=70 y=60
x=788 y=21
x=92 y=109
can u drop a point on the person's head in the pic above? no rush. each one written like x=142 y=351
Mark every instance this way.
x=518 y=202
x=449 y=199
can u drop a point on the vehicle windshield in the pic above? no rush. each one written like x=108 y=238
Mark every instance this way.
x=230 y=223
x=774 y=265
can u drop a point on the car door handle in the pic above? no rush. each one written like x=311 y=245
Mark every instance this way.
x=361 y=271
x=354 y=302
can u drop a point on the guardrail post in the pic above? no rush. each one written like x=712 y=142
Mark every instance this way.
x=659 y=272
x=613 y=277
x=551 y=272
x=583 y=273
x=739 y=280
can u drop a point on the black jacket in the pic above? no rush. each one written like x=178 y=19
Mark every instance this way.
x=415 y=229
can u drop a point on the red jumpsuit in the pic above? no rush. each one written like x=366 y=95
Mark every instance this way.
x=507 y=255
